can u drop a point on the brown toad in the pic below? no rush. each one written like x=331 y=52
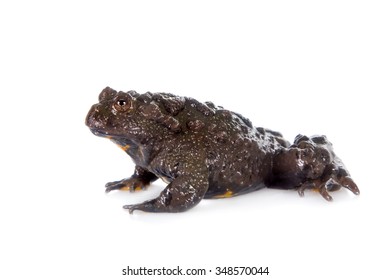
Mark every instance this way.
x=205 y=151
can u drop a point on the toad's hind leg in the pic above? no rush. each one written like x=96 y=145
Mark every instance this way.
x=310 y=163
x=181 y=194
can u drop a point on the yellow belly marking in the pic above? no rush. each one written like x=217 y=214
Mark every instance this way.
x=227 y=194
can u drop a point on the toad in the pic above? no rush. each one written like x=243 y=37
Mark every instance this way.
x=205 y=151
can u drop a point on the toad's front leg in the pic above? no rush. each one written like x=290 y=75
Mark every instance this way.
x=310 y=163
x=183 y=193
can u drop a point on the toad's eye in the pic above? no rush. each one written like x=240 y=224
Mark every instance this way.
x=122 y=104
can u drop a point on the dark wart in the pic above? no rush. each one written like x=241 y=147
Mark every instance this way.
x=205 y=151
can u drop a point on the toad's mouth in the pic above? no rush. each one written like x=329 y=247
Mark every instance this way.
x=112 y=135
x=101 y=133
x=105 y=134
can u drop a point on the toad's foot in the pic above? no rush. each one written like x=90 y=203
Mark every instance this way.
x=146 y=206
x=310 y=163
x=138 y=181
x=334 y=178
x=131 y=184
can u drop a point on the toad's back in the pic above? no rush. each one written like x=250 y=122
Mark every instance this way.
x=237 y=155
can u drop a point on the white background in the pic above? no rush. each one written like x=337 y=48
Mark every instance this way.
x=310 y=67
